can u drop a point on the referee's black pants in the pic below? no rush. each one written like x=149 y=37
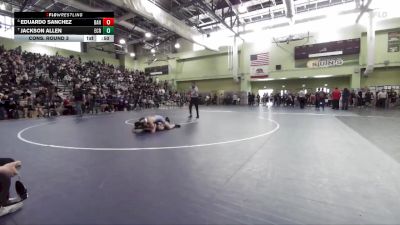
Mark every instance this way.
x=194 y=101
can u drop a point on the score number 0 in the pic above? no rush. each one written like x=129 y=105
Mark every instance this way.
x=108 y=21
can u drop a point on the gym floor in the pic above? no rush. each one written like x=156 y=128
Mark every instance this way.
x=235 y=165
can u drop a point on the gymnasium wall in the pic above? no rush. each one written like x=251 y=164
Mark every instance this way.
x=384 y=73
x=210 y=85
x=203 y=67
x=295 y=85
x=382 y=76
x=381 y=50
x=283 y=54
x=205 y=64
x=92 y=54
x=187 y=65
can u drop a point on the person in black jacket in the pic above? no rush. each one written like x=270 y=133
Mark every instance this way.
x=79 y=98
x=345 y=99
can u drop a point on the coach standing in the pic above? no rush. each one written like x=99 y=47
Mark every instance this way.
x=194 y=100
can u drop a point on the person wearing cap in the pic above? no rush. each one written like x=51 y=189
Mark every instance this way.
x=8 y=169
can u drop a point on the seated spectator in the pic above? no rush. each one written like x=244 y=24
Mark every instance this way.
x=20 y=70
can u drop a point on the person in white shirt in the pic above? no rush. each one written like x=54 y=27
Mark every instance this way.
x=302 y=98
x=382 y=96
x=235 y=99
x=207 y=99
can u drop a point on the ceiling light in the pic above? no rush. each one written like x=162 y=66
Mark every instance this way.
x=147 y=34
x=283 y=78
x=132 y=54
x=177 y=45
x=122 y=41
x=153 y=50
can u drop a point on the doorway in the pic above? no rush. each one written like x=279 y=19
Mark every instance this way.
x=263 y=91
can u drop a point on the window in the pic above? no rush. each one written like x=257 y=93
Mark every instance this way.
x=6 y=27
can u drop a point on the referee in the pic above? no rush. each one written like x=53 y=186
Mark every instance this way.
x=194 y=100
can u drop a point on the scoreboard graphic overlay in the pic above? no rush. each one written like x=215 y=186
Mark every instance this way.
x=64 y=26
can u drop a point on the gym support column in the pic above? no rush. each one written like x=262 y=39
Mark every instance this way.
x=355 y=79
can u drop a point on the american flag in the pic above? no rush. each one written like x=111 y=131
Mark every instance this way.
x=261 y=59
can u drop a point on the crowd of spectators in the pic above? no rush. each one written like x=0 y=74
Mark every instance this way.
x=336 y=99
x=319 y=99
x=35 y=85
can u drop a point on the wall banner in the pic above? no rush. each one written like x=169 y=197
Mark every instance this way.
x=394 y=41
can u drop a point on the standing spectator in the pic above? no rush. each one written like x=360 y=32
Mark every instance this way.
x=312 y=99
x=221 y=99
x=392 y=97
x=345 y=99
x=207 y=100
x=322 y=97
x=78 y=99
x=335 y=98
x=235 y=99
x=352 y=98
x=92 y=99
x=382 y=96
x=302 y=98
x=214 y=100
x=194 y=100
x=360 y=99
x=368 y=98
x=264 y=99
x=317 y=99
